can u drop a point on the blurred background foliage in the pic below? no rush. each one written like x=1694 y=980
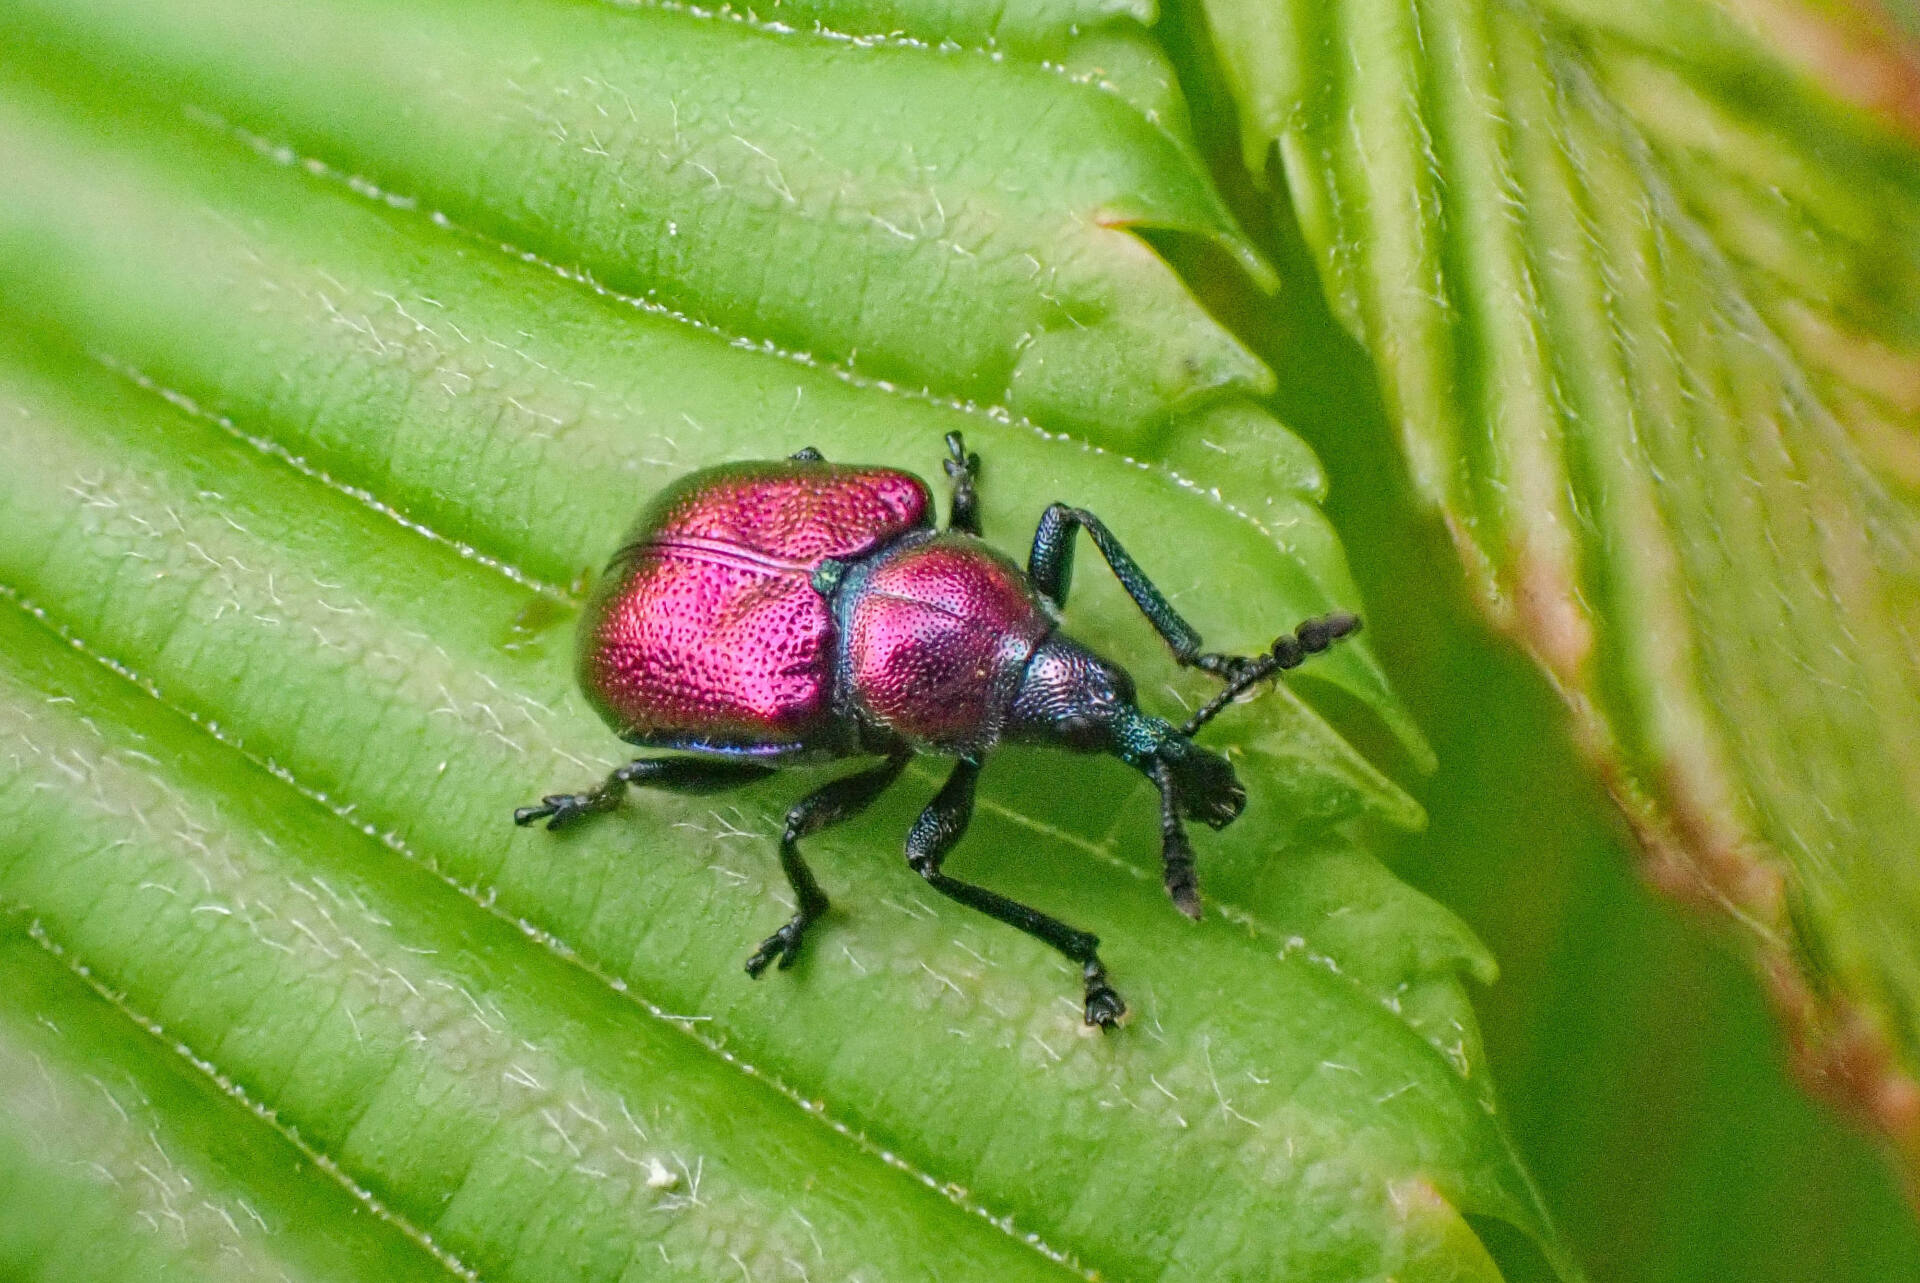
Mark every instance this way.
x=1643 y=1073
x=1656 y=1093
x=1643 y=1065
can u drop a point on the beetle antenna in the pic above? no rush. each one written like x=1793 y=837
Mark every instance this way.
x=1289 y=650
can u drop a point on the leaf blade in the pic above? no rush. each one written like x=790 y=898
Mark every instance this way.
x=355 y=999
x=411 y=687
x=433 y=733
x=759 y=156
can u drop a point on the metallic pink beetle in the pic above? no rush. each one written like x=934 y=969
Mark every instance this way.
x=769 y=614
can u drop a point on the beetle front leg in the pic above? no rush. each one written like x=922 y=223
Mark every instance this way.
x=674 y=774
x=1176 y=853
x=939 y=827
x=1050 y=570
x=841 y=800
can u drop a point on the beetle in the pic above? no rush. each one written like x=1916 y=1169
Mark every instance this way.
x=770 y=614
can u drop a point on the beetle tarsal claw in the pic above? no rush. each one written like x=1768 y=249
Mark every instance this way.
x=780 y=948
x=1185 y=889
x=1225 y=667
x=560 y=810
x=1104 y=1007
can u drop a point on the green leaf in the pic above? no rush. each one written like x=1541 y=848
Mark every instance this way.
x=481 y=1095
x=710 y=167
x=535 y=421
x=1639 y=1070
x=314 y=475
x=1643 y=306
x=384 y=675
x=107 y=1129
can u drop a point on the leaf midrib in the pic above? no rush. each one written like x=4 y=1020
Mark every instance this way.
x=237 y=1092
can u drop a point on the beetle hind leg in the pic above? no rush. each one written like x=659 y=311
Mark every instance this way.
x=936 y=832
x=841 y=800
x=674 y=774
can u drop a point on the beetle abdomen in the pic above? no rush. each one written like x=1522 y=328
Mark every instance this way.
x=937 y=635
x=706 y=629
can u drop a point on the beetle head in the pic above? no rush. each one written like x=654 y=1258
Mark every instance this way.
x=1071 y=697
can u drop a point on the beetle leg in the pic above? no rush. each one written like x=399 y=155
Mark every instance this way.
x=964 y=469
x=1176 y=853
x=934 y=834
x=1050 y=569
x=674 y=774
x=841 y=800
